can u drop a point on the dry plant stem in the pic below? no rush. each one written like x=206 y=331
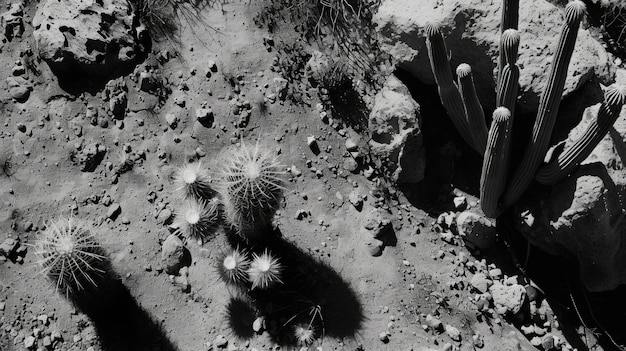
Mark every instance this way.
x=494 y=172
x=448 y=92
x=510 y=19
x=473 y=109
x=548 y=106
x=566 y=161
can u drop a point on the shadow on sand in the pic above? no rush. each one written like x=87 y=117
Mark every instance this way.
x=312 y=294
x=121 y=324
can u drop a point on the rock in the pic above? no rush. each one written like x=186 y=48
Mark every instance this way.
x=13 y=22
x=350 y=164
x=89 y=157
x=205 y=117
x=173 y=254
x=147 y=82
x=311 y=141
x=258 y=325
x=171 y=120
x=510 y=297
x=396 y=138
x=453 y=333
x=480 y=282
x=460 y=203
x=584 y=212
x=378 y=224
x=19 y=88
x=384 y=337
x=93 y=37
x=471 y=29
x=114 y=210
x=356 y=200
x=220 y=342
x=433 y=322
x=29 y=342
x=280 y=87
x=547 y=342
x=476 y=229
x=8 y=247
x=376 y=247
x=317 y=68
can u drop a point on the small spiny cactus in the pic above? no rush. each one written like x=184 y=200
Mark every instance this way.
x=233 y=266
x=198 y=219
x=193 y=181
x=69 y=254
x=304 y=334
x=251 y=185
x=264 y=271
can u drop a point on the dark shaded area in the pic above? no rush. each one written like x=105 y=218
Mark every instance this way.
x=120 y=322
x=241 y=315
x=611 y=22
x=311 y=293
x=558 y=277
x=450 y=162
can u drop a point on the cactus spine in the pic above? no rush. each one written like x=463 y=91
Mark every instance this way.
x=473 y=109
x=564 y=163
x=495 y=163
x=548 y=106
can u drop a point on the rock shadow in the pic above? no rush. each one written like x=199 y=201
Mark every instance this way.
x=311 y=293
x=120 y=322
x=599 y=314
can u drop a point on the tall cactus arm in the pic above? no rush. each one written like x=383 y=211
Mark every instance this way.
x=495 y=162
x=548 y=106
x=566 y=161
x=507 y=92
x=473 y=109
x=448 y=92
x=510 y=18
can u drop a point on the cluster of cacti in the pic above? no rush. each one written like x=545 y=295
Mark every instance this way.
x=251 y=187
x=69 y=254
x=197 y=217
x=238 y=270
x=502 y=184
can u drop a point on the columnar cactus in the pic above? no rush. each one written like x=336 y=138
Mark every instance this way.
x=548 y=106
x=448 y=92
x=495 y=164
x=463 y=106
x=569 y=158
x=510 y=19
x=251 y=185
x=69 y=254
x=473 y=110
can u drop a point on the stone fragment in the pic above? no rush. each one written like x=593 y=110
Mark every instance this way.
x=172 y=254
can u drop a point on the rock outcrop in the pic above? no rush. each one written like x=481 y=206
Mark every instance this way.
x=86 y=36
x=396 y=138
x=472 y=30
x=582 y=217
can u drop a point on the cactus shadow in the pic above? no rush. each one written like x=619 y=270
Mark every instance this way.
x=120 y=322
x=309 y=286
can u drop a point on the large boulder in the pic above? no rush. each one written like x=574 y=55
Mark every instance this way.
x=396 y=138
x=472 y=31
x=582 y=217
x=95 y=37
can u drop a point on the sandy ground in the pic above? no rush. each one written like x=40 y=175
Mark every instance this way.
x=363 y=296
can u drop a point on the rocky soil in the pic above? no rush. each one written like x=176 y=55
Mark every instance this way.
x=380 y=213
